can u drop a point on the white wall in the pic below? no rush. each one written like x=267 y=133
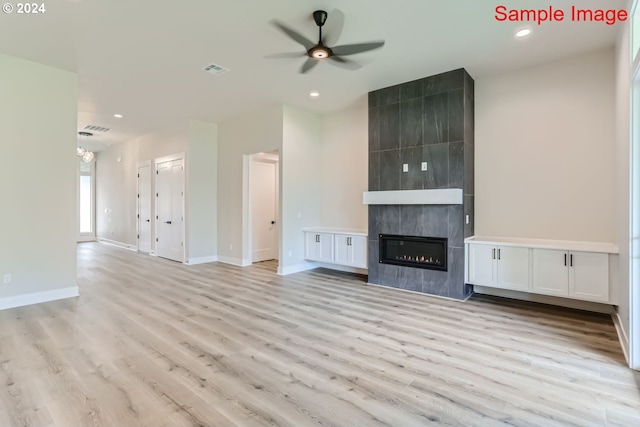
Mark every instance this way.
x=545 y=151
x=116 y=182
x=116 y=194
x=116 y=186
x=38 y=180
x=202 y=186
x=345 y=167
x=300 y=188
x=323 y=172
x=255 y=132
x=622 y=178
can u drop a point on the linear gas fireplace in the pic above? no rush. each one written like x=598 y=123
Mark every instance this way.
x=414 y=251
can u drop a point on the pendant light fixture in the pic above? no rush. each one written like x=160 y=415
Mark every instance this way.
x=87 y=155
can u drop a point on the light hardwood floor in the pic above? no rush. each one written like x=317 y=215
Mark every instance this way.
x=153 y=342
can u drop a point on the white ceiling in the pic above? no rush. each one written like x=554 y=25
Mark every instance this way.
x=144 y=58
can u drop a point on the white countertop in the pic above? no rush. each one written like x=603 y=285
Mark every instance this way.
x=568 y=245
x=351 y=231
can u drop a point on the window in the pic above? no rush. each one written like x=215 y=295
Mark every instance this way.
x=86 y=211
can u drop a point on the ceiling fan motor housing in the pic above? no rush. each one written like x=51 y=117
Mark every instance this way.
x=320 y=16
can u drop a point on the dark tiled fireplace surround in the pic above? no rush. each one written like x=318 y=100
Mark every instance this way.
x=427 y=120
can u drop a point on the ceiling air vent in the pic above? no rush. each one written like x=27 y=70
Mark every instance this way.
x=96 y=128
x=215 y=69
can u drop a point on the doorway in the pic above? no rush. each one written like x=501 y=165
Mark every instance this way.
x=143 y=216
x=170 y=207
x=263 y=206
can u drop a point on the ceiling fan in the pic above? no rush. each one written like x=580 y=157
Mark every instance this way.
x=321 y=50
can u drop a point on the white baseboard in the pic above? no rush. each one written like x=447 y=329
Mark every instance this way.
x=622 y=335
x=202 y=260
x=38 y=297
x=297 y=268
x=229 y=260
x=119 y=244
x=546 y=299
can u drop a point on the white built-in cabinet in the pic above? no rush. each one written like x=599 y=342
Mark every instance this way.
x=577 y=270
x=318 y=246
x=334 y=246
x=498 y=266
x=573 y=274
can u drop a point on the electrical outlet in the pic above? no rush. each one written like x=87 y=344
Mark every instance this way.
x=424 y=166
x=230 y=247
x=405 y=167
x=290 y=253
x=7 y=279
x=467 y=219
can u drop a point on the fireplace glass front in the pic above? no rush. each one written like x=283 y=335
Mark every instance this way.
x=414 y=251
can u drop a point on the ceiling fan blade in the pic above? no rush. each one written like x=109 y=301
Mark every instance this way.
x=351 y=49
x=286 y=55
x=344 y=63
x=308 y=64
x=296 y=36
x=333 y=27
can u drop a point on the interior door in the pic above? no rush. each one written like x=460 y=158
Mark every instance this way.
x=144 y=208
x=264 y=202
x=170 y=210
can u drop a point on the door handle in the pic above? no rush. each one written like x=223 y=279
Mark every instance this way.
x=317 y=238
x=147 y=220
x=168 y=222
x=498 y=253
x=273 y=222
x=493 y=254
x=565 y=260
x=348 y=241
x=571 y=260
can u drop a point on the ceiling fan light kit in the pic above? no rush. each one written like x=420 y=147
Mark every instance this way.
x=316 y=52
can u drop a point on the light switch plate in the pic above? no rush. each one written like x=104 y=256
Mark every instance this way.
x=424 y=166
x=405 y=167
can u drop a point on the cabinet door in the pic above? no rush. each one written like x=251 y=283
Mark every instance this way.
x=325 y=247
x=359 y=248
x=310 y=246
x=482 y=265
x=513 y=268
x=589 y=276
x=350 y=250
x=343 y=253
x=550 y=274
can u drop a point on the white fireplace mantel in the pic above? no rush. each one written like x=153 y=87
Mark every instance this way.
x=448 y=196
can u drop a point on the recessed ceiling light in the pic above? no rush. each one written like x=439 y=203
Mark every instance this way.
x=314 y=94
x=117 y=116
x=523 y=32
